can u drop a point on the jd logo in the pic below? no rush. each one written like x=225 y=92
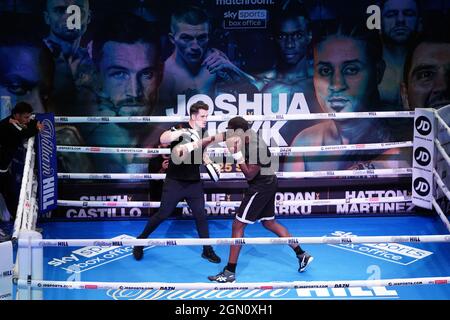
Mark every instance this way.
x=422 y=156
x=421 y=186
x=423 y=125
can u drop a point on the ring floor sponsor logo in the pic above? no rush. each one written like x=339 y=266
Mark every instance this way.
x=352 y=293
x=391 y=252
x=91 y=257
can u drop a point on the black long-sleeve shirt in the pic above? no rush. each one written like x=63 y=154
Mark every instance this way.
x=11 y=137
x=189 y=170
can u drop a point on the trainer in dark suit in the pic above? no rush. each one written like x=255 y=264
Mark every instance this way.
x=13 y=131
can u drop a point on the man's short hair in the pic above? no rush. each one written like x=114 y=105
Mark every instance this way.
x=21 y=108
x=292 y=10
x=436 y=37
x=356 y=30
x=124 y=28
x=197 y=106
x=238 y=123
x=188 y=14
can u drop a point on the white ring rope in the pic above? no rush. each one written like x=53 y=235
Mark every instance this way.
x=24 y=201
x=441 y=214
x=28 y=202
x=442 y=151
x=29 y=242
x=167 y=242
x=444 y=125
x=287 y=151
x=441 y=184
x=32 y=215
x=437 y=177
x=273 y=117
x=328 y=148
x=232 y=286
x=240 y=175
x=156 y=204
x=83 y=149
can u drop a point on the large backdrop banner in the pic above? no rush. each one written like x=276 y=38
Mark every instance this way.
x=241 y=57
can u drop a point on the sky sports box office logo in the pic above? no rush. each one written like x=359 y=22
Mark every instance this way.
x=245 y=19
x=391 y=252
x=90 y=257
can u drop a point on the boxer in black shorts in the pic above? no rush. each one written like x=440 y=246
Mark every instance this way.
x=254 y=158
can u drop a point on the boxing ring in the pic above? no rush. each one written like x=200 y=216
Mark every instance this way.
x=93 y=260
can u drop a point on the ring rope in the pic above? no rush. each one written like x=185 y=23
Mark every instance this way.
x=156 y=204
x=441 y=214
x=24 y=197
x=219 y=151
x=445 y=125
x=232 y=286
x=32 y=215
x=441 y=184
x=273 y=117
x=240 y=175
x=167 y=242
x=442 y=151
x=241 y=241
x=29 y=196
x=328 y=148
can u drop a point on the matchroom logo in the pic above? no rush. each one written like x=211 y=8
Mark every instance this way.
x=391 y=252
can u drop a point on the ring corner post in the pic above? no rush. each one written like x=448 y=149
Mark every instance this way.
x=30 y=260
x=6 y=270
x=423 y=158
